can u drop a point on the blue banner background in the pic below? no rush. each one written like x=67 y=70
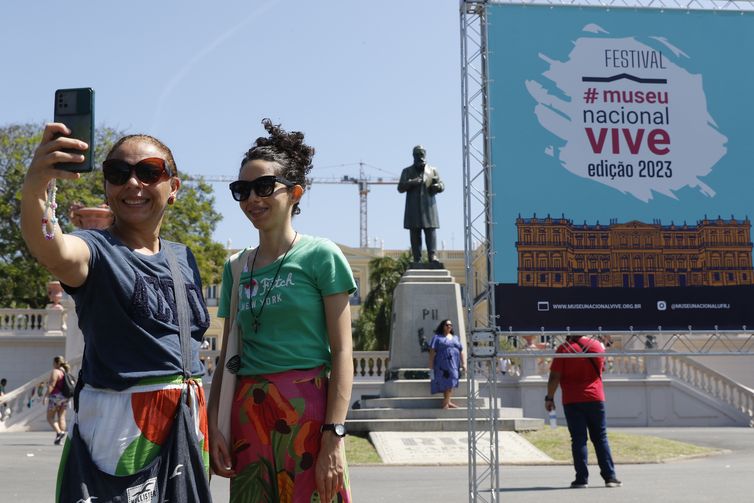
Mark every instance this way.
x=527 y=181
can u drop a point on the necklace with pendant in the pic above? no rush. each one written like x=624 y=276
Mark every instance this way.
x=255 y=323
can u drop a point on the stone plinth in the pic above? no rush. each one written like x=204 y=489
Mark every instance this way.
x=421 y=300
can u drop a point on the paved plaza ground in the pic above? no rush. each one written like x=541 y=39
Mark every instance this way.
x=28 y=464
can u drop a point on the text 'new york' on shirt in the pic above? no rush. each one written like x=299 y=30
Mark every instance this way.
x=291 y=329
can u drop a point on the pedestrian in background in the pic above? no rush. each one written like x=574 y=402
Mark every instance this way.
x=4 y=409
x=580 y=380
x=446 y=362
x=57 y=403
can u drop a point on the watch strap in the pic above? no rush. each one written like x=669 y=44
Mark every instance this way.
x=334 y=427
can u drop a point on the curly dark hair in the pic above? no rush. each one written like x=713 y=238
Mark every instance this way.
x=287 y=150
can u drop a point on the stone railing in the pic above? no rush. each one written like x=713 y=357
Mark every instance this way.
x=622 y=365
x=24 y=404
x=370 y=365
x=614 y=365
x=31 y=321
x=699 y=377
x=711 y=383
x=367 y=365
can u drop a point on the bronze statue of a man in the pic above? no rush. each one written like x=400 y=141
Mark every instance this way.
x=421 y=182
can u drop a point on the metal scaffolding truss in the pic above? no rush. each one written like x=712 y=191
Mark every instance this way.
x=477 y=209
x=486 y=344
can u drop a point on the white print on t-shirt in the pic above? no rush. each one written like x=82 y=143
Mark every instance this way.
x=279 y=283
x=272 y=299
x=258 y=291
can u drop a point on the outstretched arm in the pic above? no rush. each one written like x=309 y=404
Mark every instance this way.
x=65 y=256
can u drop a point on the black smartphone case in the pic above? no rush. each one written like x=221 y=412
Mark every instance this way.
x=75 y=109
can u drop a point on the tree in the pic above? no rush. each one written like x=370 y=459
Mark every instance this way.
x=22 y=280
x=372 y=329
x=191 y=221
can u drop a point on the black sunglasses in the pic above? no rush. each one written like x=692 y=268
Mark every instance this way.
x=263 y=186
x=150 y=170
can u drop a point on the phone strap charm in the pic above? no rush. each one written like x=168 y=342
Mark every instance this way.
x=50 y=207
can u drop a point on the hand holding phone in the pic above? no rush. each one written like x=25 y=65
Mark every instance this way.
x=75 y=109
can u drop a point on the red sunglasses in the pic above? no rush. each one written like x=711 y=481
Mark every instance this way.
x=148 y=171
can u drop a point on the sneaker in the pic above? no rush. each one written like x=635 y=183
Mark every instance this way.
x=579 y=485
x=59 y=437
x=613 y=482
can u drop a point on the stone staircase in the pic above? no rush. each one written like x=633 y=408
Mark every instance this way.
x=407 y=405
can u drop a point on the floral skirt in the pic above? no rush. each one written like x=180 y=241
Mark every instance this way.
x=275 y=426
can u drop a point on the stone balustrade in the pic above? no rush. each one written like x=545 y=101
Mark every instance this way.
x=370 y=365
x=681 y=368
x=367 y=365
x=35 y=322
x=712 y=383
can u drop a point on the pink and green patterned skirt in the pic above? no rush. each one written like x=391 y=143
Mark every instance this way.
x=275 y=426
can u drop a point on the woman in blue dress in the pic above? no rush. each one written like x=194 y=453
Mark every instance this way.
x=446 y=361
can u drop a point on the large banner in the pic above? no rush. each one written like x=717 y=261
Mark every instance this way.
x=623 y=152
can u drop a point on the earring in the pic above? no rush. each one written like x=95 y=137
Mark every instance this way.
x=171 y=199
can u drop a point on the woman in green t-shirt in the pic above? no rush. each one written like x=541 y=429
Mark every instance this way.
x=295 y=366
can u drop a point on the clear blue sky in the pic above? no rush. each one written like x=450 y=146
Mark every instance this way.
x=365 y=81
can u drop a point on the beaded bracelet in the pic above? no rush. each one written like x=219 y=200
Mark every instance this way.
x=50 y=207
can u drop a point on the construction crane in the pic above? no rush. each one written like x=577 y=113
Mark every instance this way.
x=362 y=182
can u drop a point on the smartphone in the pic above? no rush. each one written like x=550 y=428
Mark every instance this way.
x=75 y=109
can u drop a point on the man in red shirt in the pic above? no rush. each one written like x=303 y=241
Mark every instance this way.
x=580 y=380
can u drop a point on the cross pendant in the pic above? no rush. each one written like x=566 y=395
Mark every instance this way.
x=255 y=325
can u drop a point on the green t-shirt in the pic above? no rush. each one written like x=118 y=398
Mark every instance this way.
x=292 y=331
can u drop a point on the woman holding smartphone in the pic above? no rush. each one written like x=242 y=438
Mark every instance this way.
x=125 y=301
x=296 y=368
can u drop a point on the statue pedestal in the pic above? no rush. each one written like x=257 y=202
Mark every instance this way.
x=421 y=300
x=427 y=265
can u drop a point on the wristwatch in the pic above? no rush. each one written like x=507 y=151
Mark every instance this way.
x=338 y=429
x=548 y=399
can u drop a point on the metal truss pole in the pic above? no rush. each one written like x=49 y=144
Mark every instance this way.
x=479 y=293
